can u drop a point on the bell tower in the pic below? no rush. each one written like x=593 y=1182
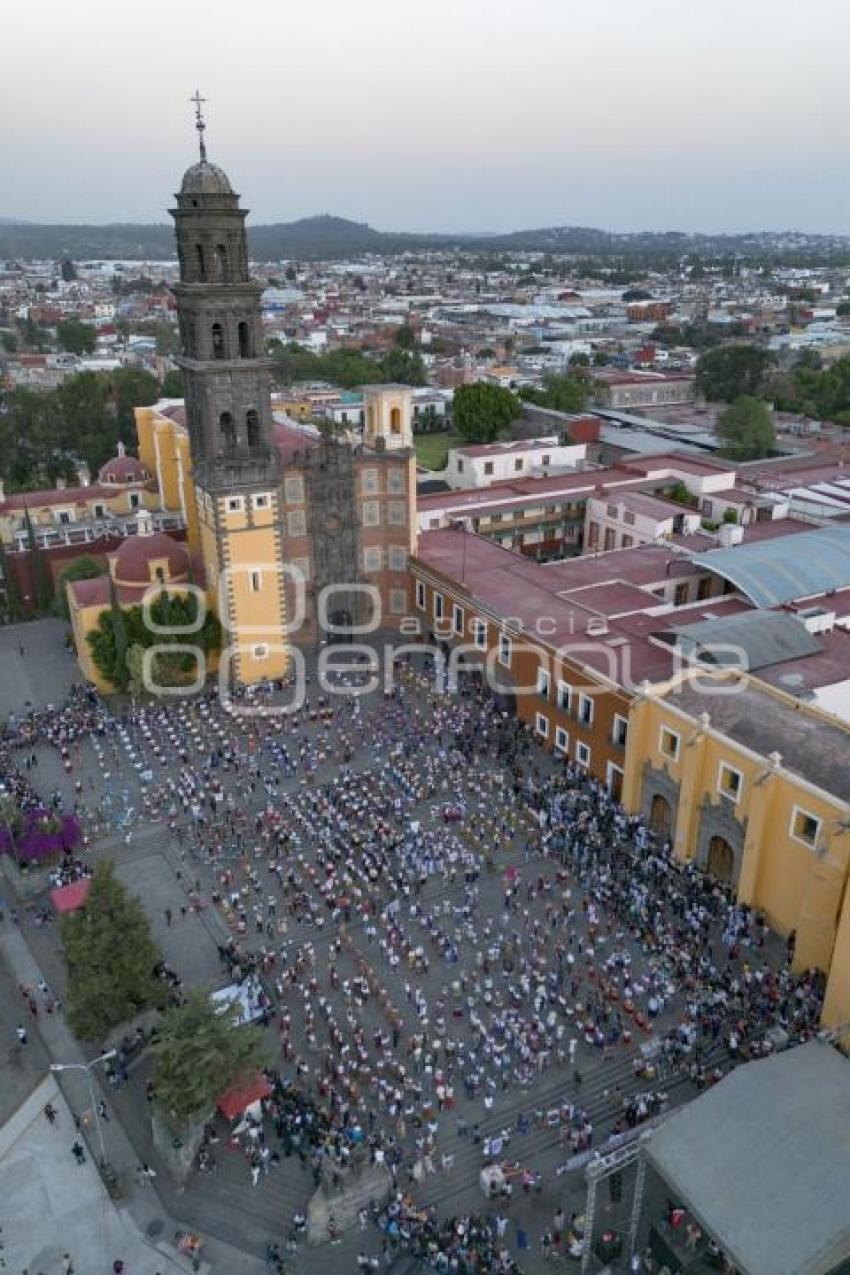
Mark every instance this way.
x=235 y=463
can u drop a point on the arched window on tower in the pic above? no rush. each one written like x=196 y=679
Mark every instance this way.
x=395 y=420
x=199 y=260
x=220 y=261
x=246 y=345
x=217 y=341
x=228 y=433
x=252 y=429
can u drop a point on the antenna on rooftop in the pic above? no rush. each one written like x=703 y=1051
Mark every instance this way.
x=200 y=123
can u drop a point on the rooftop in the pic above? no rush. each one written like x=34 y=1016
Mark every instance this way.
x=763 y=1161
x=769 y=575
x=813 y=745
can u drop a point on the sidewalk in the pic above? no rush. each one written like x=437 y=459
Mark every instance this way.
x=146 y=1225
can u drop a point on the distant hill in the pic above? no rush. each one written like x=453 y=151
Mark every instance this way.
x=326 y=236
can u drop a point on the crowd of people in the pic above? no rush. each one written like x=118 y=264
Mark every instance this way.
x=452 y=933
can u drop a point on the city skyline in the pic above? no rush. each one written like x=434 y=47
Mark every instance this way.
x=456 y=119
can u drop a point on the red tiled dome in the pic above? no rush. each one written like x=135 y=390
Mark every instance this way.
x=122 y=469
x=132 y=562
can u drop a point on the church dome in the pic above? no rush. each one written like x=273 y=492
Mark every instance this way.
x=205 y=179
x=122 y=469
x=138 y=554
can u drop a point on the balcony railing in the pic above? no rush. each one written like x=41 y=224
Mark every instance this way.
x=88 y=530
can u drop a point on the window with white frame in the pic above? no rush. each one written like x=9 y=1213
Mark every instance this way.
x=585 y=709
x=396 y=513
x=396 y=480
x=296 y=522
x=260 y=651
x=729 y=781
x=369 y=481
x=804 y=826
x=438 y=606
x=543 y=682
x=457 y=620
x=398 y=601
x=565 y=696
x=397 y=558
x=479 y=633
x=371 y=513
x=668 y=743
x=620 y=730
x=235 y=504
x=582 y=754
x=420 y=595
x=372 y=559
x=505 y=649
x=261 y=501
x=135 y=500
x=562 y=740
x=293 y=490
x=541 y=724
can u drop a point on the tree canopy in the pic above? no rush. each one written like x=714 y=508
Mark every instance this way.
x=348 y=368
x=566 y=393
x=76 y=337
x=733 y=371
x=819 y=392
x=43 y=433
x=746 y=429
x=481 y=412
x=111 y=956
x=200 y=1053
x=119 y=630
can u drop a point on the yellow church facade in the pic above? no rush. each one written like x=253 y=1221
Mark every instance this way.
x=754 y=787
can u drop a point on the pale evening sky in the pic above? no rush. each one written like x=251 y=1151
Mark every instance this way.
x=435 y=114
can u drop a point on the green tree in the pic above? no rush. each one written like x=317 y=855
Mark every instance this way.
x=9 y=342
x=405 y=337
x=291 y=274
x=119 y=629
x=746 y=429
x=86 y=420
x=33 y=335
x=85 y=568
x=173 y=385
x=567 y=393
x=12 y=609
x=481 y=412
x=42 y=582
x=733 y=371
x=200 y=1053
x=111 y=956
x=843 y=309
x=76 y=337
x=131 y=387
x=403 y=366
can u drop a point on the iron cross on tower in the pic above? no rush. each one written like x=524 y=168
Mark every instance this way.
x=200 y=123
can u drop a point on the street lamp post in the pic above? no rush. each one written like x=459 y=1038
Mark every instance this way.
x=86 y=1067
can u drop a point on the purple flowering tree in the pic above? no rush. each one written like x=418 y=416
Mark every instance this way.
x=38 y=835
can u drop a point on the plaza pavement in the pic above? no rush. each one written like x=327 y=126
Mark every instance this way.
x=236 y=1220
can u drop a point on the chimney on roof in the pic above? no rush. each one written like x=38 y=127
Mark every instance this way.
x=122 y=450
x=60 y=484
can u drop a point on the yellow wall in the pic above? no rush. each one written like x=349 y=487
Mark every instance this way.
x=248 y=544
x=797 y=886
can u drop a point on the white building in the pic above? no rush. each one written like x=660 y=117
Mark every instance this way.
x=622 y=520
x=482 y=464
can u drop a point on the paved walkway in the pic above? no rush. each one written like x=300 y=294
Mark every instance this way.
x=139 y=1230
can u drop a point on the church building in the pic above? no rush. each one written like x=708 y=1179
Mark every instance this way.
x=299 y=535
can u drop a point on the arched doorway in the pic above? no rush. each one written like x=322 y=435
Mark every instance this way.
x=721 y=859
x=660 y=816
